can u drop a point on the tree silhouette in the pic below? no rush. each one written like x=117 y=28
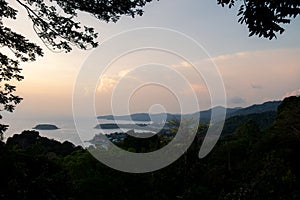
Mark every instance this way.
x=55 y=23
x=265 y=18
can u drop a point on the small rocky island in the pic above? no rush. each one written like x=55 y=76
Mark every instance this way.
x=45 y=127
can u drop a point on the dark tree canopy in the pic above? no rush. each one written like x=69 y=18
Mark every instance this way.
x=55 y=22
x=265 y=17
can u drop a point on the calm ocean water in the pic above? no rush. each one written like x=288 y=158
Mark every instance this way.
x=67 y=130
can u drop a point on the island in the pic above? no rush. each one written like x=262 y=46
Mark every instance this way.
x=45 y=127
x=142 y=117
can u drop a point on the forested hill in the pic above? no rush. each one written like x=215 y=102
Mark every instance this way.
x=205 y=115
x=249 y=164
x=257 y=108
x=263 y=120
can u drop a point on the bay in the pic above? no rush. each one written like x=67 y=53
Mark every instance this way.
x=67 y=130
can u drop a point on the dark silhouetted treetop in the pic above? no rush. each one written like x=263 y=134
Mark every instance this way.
x=55 y=22
x=288 y=118
x=265 y=18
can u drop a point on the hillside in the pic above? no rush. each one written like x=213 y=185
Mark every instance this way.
x=264 y=120
x=249 y=164
x=205 y=115
x=257 y=108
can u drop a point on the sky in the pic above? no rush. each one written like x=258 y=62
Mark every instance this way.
x=197 y=48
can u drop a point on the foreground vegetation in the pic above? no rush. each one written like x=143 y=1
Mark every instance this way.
x=250 y=164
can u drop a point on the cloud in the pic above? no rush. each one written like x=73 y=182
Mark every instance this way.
x=186 y=64
x=123 y=73
x=195 y=88
x=256 y=86
x=249 y=77
x=228 y=57
x=292 y=93
x=106 y=84
x=237 y=100
x=258 y=75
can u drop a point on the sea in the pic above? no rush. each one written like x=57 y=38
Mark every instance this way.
x=68 y=131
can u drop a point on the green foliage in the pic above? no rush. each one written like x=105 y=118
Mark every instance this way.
x=265 y=18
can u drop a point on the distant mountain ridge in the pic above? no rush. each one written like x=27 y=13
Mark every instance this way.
x=205 y=115
x=257 y=108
